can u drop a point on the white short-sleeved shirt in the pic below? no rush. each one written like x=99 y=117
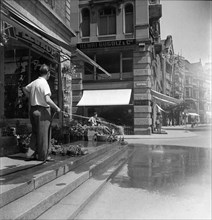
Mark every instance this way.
x=38 y=89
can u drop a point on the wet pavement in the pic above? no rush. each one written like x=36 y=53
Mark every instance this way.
x=157 y=182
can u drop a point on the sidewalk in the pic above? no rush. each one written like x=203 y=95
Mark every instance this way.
x=178 y=131
x=174 y=132
x=8 y=165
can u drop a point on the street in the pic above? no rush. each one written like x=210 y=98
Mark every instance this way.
x=160 y=181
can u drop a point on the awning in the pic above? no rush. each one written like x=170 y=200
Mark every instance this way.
x=87 y=59
x=105 y=97
x=161 y=109
x=164 y=98
x=51 y=36
x=193 y=114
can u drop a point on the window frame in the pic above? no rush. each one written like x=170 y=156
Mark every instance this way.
x=107 y=16
x=124 y=18
x=88 y=20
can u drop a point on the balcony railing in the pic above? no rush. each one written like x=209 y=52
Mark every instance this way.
x=155 y=12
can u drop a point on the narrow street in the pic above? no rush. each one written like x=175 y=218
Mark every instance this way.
x=162 y=181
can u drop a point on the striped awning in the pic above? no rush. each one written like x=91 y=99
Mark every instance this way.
x=164 y=98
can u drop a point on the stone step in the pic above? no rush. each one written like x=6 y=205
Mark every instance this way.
x=16 y=185
x=70 y=206
x=33 y=204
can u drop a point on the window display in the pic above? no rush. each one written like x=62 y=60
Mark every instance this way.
x=21 y=66
x=16 y=75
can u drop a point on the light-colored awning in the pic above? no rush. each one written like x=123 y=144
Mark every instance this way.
x=160 y=109
x=164 y=98
x=105 y=97
x=193 y=114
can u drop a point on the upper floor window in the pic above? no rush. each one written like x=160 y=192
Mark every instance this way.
x=85 y=25
x=188 y=80
x=129 y=18
x=107 y=21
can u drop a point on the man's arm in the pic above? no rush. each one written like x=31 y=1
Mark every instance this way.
x=25 y=92
x=50 y=102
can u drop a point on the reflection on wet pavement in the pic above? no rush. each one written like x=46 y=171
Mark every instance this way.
x=166 y=169
x=158 y=182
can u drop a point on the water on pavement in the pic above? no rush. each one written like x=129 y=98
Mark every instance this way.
x=157 y=182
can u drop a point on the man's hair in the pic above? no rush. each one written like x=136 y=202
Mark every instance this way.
x=44 y=69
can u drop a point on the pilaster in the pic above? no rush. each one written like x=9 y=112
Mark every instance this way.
x=142 y=91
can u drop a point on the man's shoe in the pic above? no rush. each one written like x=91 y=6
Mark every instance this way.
x=32 y=157
x=49 y=159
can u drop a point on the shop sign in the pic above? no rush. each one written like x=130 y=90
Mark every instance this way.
x=104 y=44
x=19 y=33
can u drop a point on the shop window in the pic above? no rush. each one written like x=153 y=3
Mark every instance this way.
x=129 y=18
x=85 y=25
x=21 y=67
x=36 y=61
x=107 y=21
x=110 y=62
x=16 y=75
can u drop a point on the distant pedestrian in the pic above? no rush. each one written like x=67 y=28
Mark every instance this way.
x=158 y=122
x=39 y=94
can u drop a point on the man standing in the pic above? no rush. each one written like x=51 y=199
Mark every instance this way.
x=39 y=94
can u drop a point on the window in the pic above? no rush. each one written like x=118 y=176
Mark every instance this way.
x=195 y=94
x=21 y=66
x=119 y=64
x=109 y=61
x=107 y=21
x=188 y=92
x=129 y=18
x=127 y=61
x=188 y=80
x=85 y=25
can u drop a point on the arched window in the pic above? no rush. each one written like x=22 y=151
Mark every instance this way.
x=128 y=18
x=107 y=21
x=85 y=25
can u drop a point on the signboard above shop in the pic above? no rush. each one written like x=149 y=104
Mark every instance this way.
x=16 y=31
x=105 y=44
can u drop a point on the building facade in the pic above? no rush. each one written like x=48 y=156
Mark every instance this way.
x=197 y=90
x=32 y=33
x=122 y=36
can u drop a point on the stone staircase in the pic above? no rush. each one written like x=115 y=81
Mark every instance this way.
x=59 y=190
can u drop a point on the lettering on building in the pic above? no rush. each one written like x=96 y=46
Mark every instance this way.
x=104 y=44
x=30 y=38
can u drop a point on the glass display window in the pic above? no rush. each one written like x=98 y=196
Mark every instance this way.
x=21 y=66
x=16 y=75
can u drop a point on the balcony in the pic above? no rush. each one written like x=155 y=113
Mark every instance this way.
x=98 y=2
x=158 y=47
x=155 y=12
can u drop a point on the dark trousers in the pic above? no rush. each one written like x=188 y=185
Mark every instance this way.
x=40 y=118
